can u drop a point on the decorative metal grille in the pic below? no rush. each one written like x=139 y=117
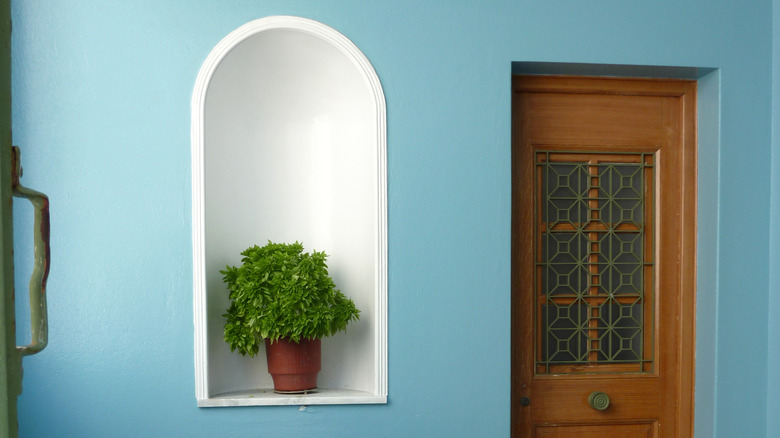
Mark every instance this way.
x=594 y=269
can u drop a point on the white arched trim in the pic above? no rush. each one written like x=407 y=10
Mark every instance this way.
x=205 y=395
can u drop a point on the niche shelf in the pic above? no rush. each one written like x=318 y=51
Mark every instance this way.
x=289 y=144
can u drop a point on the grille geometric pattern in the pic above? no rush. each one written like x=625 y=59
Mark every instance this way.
x=594 y=265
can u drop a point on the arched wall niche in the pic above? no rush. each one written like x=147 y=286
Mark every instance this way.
x=289 y=144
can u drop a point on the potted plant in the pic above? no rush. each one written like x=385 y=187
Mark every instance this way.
x=286 y=297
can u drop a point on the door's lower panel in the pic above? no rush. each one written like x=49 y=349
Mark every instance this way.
x=565 y=399
x=636 y=430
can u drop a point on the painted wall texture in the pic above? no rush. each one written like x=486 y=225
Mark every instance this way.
x=773 y=395
x=101 y=108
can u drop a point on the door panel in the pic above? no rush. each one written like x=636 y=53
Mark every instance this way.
x=567 y=399
x=603 y=256
x=611 y=431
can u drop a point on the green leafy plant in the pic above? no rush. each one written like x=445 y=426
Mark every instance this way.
x=281 y=292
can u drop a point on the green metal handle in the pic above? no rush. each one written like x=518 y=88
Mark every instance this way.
x=38 y=315
x=598 y=400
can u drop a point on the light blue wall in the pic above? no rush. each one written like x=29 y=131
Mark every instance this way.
x=773 y=396
x=708 y=103
x=101 y=108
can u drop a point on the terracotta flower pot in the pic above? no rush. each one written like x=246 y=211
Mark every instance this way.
x=294 y=367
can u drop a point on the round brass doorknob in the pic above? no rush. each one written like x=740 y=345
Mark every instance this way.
x=598 y=400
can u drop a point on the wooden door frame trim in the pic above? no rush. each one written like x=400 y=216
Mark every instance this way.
x=684 y=383
x=687 y=347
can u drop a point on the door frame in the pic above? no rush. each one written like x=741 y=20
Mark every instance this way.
x=683 y=384
x=10 y=358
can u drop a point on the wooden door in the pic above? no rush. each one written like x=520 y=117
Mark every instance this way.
x=603 y=257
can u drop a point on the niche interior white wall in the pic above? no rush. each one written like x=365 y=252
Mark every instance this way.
x=289 y=144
